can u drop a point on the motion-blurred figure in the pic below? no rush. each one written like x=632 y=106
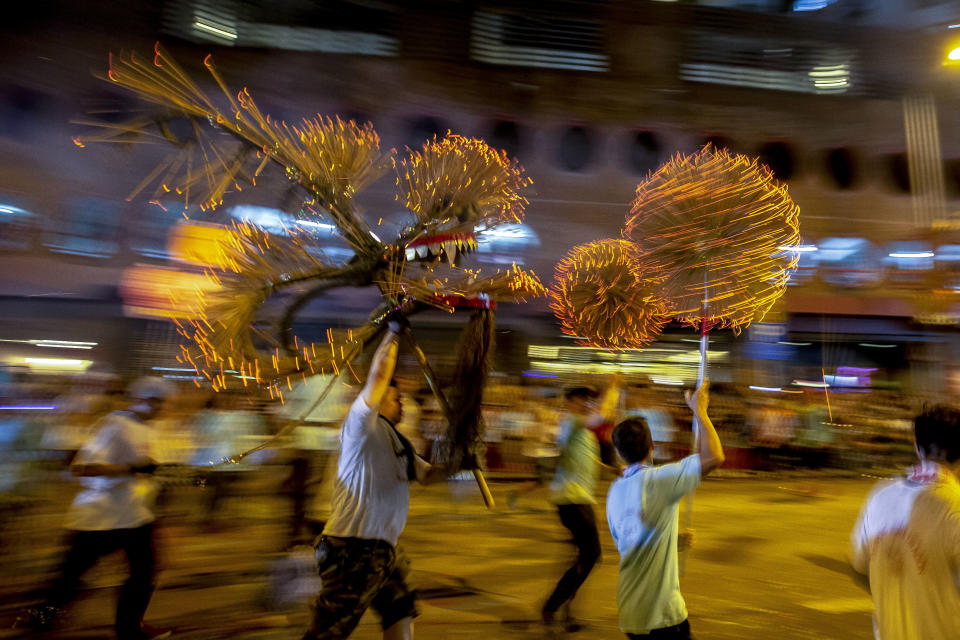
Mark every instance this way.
x=537 y=427
x=75 y=416
x=317 y=409
x=907 y=538
x=223 y=430
x=605 y=417
x=643 y=514
x=774 y=428
x=114 y=510
x=357 y=557
x=409 y=424
x=572 y=491
x=658 y=420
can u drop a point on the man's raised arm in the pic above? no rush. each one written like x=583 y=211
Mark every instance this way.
x=382 y=366
x=710 y=449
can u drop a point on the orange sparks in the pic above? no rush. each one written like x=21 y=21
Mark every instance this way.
x=715 y=225
x=601 y=295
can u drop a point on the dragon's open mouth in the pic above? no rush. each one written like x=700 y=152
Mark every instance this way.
x=442 y=245
x=460 y=301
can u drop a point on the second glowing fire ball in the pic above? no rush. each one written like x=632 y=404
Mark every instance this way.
x=708 y=232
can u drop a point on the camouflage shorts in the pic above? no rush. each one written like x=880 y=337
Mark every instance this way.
x=356 y=574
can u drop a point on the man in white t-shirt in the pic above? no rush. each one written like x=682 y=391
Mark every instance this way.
x=907 y=538
x=114 y=510
x=643 y=514
x=357 y=554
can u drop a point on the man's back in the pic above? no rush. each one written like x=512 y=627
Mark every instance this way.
x=643 y=517
x=123 y=501
x=371 y=492
x=908 y=539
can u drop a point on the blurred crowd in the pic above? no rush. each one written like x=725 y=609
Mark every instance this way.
x=45 y=419
x=214 y=449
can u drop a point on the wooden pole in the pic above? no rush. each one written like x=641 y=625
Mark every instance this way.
x=445 y=407
x=695 y=440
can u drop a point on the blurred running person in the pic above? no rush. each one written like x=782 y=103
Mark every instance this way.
x=572 y=492
x=643 y=514
x=114 y=510
x=907 y=538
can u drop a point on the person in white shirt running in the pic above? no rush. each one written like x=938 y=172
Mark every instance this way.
x=357 y=556
x=114 y=510
x=907 y=538
x=643 y=514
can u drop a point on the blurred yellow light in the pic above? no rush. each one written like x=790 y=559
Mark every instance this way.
x=59 y=364
x=954 y=55
x=199 y=243
x=158 y=292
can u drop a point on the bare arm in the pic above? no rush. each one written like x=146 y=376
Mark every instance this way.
x=710 y=449
x=432 y=473
x=104 y=446
x=381 y=368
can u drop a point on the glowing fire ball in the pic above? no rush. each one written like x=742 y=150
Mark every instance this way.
x=463 y=178
x=601 y=295
x=715 y=226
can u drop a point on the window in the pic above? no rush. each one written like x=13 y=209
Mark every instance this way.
x=20 y=109
x=951 y=171
x=506 y=136
x=775 y=63
x=148 y=237
x=89 y=229
x=718 y=142
x=841 y=168
x=538 y=39
x=644 y=152
x=332 y=26
x=848 y=261
x=16 y=228
x=576 y=149
x=779 y=157
x=899 y=172
x=423 y=129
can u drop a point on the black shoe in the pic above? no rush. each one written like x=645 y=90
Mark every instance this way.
x=550 y=626
x=572 y=626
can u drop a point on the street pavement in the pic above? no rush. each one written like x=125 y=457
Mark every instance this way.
x=769 y=560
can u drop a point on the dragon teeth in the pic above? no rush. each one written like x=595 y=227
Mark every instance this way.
x=435 y=248
x=423 y=251
x=411 y=253
x=450 y=248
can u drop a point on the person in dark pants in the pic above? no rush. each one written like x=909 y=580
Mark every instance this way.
x=572 y=492
x=359 y=562
x=87 y=547
x=113 y=511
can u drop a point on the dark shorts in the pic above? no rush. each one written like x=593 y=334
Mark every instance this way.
x=676 y=632
x=356 y=574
